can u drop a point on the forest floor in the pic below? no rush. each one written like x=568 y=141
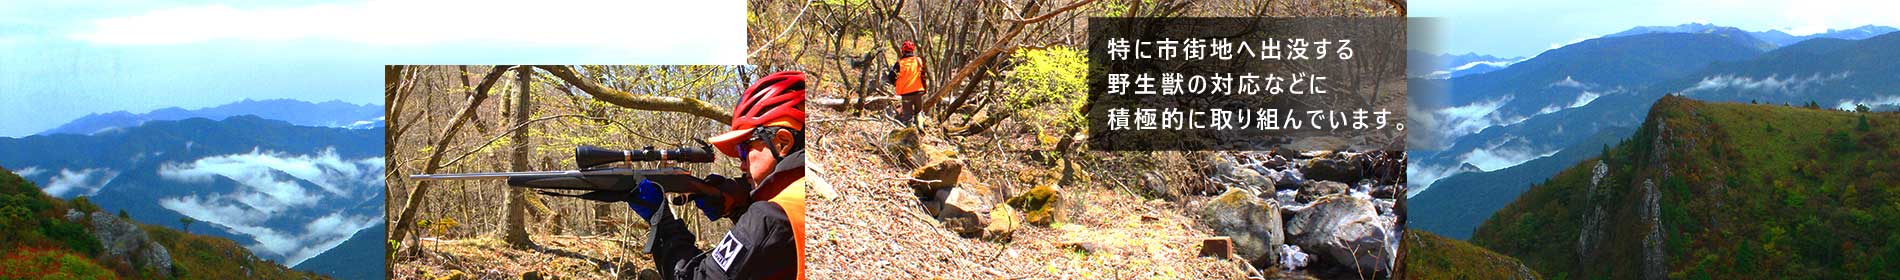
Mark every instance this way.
x=877 y=228
x=559 y=257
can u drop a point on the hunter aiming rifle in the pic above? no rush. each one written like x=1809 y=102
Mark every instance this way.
x=605 y=183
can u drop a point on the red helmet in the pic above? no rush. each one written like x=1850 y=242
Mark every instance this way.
x=909 y=46
x=774 y=100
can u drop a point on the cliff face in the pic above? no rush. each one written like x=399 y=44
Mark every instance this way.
x=1719 y=190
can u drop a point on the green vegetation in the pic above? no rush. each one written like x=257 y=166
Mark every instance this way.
x=1809 y=196
x=1429 y=256
x=1053 y=76
x=40 y=263
x=206 y=257
x=31 y=219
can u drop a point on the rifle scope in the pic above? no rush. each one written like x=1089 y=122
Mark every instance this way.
x=590 y=156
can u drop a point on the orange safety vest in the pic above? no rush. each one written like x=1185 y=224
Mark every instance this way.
x=792 y=199
x=910 y=78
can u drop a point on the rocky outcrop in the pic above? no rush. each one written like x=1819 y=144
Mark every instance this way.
x=1344 y=231
x=1596 y=175
x=124 y=240
x=961 y=208
x=1592 y=222
x=1254 y=224
x=1655 y=264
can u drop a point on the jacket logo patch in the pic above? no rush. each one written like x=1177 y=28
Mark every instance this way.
x=727 y=251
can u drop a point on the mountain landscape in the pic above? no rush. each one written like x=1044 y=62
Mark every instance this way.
x=43 y=237
x=1718 y=190
x=286 y=192
x=1512 y=127
x=326 y=114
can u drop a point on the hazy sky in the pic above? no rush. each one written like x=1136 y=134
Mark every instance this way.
x=1510 y=28
x=60 y=60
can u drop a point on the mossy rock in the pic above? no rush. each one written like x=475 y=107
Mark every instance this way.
x=1040 y=206
x=904 y=147
x=1004 y=221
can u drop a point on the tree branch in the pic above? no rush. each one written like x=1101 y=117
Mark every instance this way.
x=692 y=106
x=984 y=58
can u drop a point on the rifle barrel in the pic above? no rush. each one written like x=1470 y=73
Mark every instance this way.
x=588 y=172
x=491 y=175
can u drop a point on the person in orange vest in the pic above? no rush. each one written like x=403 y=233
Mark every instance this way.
x=767 y=240
x=907 y=79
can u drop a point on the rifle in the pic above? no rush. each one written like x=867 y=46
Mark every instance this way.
x=604 y=183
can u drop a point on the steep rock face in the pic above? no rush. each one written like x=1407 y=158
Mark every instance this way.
x=1592 y=222
x=1654 y=266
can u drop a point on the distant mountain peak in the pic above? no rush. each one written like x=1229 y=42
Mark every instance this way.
x=334 y=113
x=1777 y=38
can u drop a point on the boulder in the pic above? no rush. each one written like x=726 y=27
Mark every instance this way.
x=1252 y=179
x=1253 y=223
x=1345 y=232
x=1312 y=190
x=1274 y=161
x=123 y=239
x=1004 y=221
x=1157 y=186
x=1243 y=175
x=1041 y=206
x=1334 y=168
x=934 y=177
x=962 y=211
x=904 y=147
x=1291 y=258
x=1286 y=178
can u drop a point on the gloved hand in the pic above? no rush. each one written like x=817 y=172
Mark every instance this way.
x=735 y=199
x=646 y=199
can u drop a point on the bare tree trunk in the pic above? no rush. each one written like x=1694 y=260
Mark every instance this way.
x=514 y=225
x=406 y=222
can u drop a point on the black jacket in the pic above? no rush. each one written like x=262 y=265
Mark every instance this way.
x=761 y=244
